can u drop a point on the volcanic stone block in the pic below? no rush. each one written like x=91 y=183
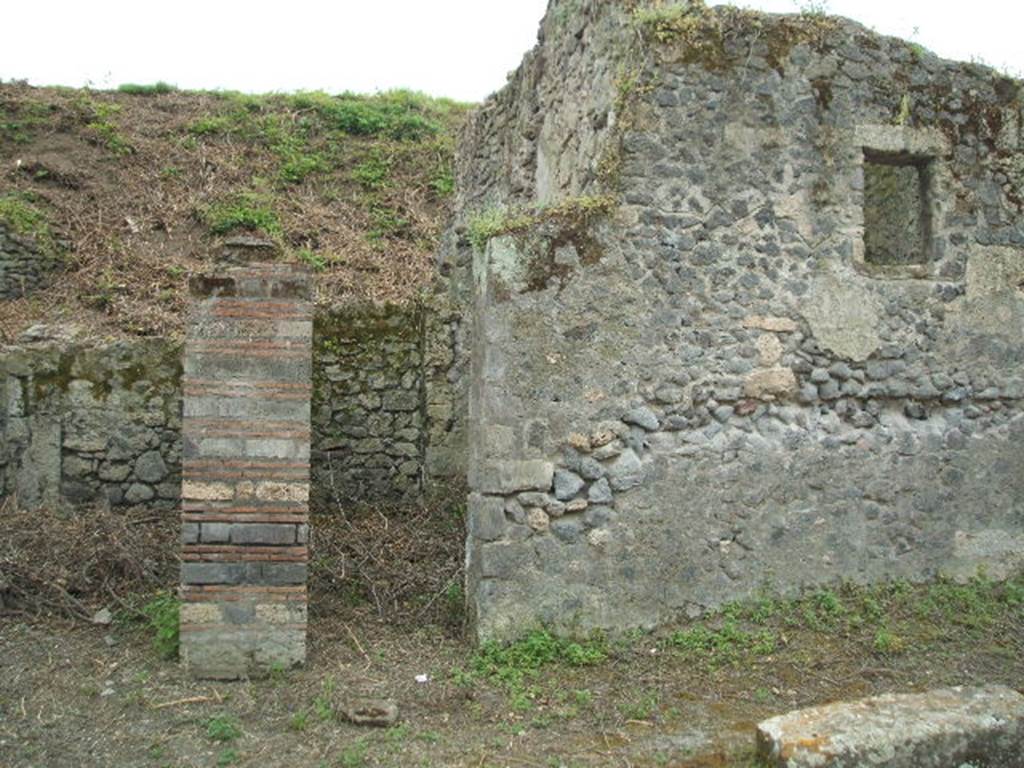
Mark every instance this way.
x=947 y=727
x=245 y=473
x=513 y=476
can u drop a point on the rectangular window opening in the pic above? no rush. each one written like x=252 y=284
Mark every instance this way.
x=897 y=210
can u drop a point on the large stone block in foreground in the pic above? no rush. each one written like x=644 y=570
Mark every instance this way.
x=945 y=728
x=245 y=483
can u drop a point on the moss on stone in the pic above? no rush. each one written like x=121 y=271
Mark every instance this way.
x=691 y=30
x=356 y=335
x=692 y=33
x=21 y=215
x=158 y=363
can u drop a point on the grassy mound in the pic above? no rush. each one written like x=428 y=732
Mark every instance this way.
x=141 y=183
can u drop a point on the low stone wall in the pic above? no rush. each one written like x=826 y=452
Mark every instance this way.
x=368 y=404
x=23 y=265
x=91 y=423
x=87 y=423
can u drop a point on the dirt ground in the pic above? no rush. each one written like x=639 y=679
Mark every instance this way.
x=77 y=695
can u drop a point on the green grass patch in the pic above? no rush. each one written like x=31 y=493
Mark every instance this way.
x=443 y=181
x=973 y=605
x=299 y=721
x=99 y=127
x=888 y=643
x=246 y=211
x=150 y=89
x=323 y=704
x=387 y=223
x=297 y=164
x=641 y=706
x=163 y=613
x=211 y=125
x=574 y=211
x=107 y=135
x=223 y=728
x=512 y=663
x=20 y=214
x=728 y=644
x=374 y=172
x=888 y=619
x=401 y=115
x=19 y=121
x=354 y=755
x=317 y=261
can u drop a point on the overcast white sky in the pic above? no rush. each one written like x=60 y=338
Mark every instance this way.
x=457 y=48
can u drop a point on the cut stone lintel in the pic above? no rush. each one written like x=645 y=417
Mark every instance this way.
x=937 y=729
x=245 y=470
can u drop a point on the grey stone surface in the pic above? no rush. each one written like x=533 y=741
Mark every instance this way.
x=266 y=574
x=25 y=264
x=722 y=351
x=150 y=467
x=486 y=516
x=514 y=476
x=233 y=652
x=944 y=728
x=102 y=421
x=567 y=484
x=600 y=492
x=86 y=421
x=262 y=533
x=642 y=417
x=384 y=412
x=138 y=493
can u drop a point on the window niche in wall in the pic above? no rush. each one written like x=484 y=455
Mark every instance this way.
x=897 y=210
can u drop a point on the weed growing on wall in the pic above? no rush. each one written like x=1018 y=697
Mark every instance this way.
x=571 y=212
x=666 y=21
x=813 y=7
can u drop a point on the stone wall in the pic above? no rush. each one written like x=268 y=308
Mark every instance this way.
x=23 y=264
x=368 y=404
x=384 y=403
x=87 y=423
x=716 y=393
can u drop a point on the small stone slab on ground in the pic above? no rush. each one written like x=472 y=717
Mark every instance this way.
x=378 y=713
x=945 y=728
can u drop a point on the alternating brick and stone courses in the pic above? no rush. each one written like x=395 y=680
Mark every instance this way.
x=245 y=471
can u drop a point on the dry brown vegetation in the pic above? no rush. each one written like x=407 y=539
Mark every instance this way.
x=77 y=694
x=139 y=187
x=396 y=563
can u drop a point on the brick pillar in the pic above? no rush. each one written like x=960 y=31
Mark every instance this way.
x=245 y=471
